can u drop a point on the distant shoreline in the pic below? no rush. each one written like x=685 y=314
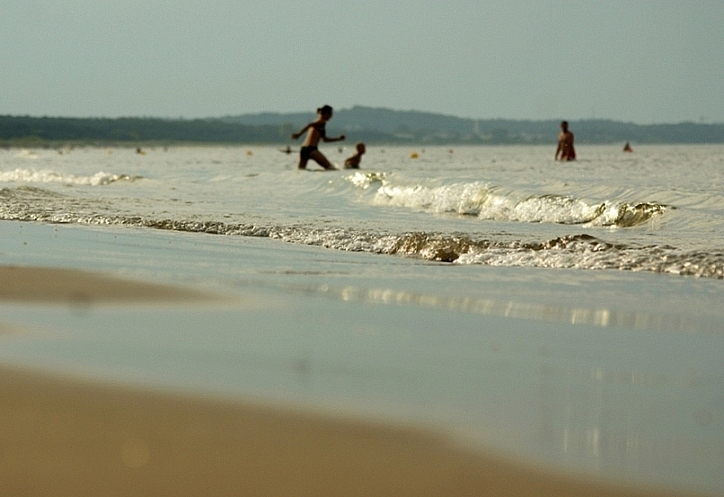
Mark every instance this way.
x=369 y=125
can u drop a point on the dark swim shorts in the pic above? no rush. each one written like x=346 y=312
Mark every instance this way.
x=304 y=152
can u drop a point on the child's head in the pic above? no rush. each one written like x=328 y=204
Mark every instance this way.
x=360 y=148
x=325 y=111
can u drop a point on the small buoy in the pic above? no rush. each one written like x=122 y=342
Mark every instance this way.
x=414 y=155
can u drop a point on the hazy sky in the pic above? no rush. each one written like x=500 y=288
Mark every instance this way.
x=633 y=60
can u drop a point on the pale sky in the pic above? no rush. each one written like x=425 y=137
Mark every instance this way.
x=642 y=61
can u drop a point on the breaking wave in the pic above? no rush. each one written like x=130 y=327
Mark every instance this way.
x=31 y=175
x=487 y=202
x=578 y=251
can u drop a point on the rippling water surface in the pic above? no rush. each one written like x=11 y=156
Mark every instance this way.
x=658 y=209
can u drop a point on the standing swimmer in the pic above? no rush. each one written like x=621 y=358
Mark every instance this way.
x=565 y=143
x=315 y=132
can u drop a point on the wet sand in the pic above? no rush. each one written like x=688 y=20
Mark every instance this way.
x=69 y=436
x=72 y=286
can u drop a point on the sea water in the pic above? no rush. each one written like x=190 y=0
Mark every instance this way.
x=565 y=312
x=659 y=209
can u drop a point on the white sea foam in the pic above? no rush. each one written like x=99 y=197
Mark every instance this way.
x=26 y=154
x=481 y=200
x=31 y=175
x=571 y=252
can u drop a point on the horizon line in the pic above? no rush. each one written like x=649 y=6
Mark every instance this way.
x=227 y=116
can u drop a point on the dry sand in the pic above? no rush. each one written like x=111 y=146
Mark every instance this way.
x=68 y=437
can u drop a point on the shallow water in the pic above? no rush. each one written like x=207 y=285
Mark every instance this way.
x=659 y=209
x=614 y=377
x=478 y=290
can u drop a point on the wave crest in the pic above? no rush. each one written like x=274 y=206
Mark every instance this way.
x=486 y=202
x=578 y=251
x=31 y=175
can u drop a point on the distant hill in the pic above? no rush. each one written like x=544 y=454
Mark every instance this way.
x=29 y=130
x=367 y=124
x=380 y=124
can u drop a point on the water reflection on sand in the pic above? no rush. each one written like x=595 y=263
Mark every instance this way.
x=602 y=317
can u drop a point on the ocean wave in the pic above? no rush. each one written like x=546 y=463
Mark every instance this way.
x=31 y=175
x=486 y=202
x=26 y=154
x=579 y=251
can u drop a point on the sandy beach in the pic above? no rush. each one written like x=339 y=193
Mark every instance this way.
x=67 y=435
x=483 y=257
x=70 y=437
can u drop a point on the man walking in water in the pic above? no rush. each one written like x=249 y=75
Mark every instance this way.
x=565 y=144
x=316 y=131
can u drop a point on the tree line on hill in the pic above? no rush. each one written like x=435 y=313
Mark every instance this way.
x=370 y=125
x=29 y=130
x=394 y=126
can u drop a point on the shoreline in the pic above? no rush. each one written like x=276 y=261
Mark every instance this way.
x=66 y=436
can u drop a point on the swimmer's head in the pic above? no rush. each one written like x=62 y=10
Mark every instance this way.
x=564 y=125
x=325 y=111
x=360 y=147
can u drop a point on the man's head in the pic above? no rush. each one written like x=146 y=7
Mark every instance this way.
x=325 y=111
